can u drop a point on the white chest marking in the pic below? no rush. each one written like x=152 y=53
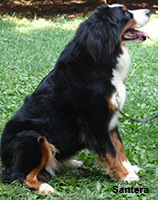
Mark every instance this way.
x=119 y=74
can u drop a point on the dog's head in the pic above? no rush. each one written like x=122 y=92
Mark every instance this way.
x=110 y=26
x=137 y=19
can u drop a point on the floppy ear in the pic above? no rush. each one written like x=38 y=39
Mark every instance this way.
x=102 y=40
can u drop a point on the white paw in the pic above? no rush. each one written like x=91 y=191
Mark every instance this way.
x=77 y=164
x=131 y=168
x=74 y=163
x=136 y=168
x=131 y=177
x=45 y=188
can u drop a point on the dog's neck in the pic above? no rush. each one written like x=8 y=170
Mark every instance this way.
x=119 y=74
x=123 y=63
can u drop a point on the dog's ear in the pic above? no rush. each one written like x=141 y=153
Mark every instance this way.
x=102 y=40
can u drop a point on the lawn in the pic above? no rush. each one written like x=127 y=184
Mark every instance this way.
x=28 y=52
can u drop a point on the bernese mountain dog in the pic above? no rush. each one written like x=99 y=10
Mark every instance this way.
x=77 y=104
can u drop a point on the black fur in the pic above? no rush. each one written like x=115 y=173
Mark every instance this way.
x=70 y=102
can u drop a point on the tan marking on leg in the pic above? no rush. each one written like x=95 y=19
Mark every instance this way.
x=118 y=146
x=48 y=153
x=123 y=160
x=113 y=164
x=114 y=167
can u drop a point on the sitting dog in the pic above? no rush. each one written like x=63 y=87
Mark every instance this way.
x=77 y=104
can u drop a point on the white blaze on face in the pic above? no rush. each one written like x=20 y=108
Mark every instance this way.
x=115 y=5
x=141 y=16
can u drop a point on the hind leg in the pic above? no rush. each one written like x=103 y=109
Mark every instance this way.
x=32 y=182
x=20 y=154
x=28 y=153
x=48 y=153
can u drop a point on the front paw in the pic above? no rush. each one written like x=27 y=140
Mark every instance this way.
x=74 y=164
x=131 y=177
x=136 y=168
x=131 y=168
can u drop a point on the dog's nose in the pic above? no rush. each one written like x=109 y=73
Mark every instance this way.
x=147 y=12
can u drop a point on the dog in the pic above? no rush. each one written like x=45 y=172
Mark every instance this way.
x=77 y=104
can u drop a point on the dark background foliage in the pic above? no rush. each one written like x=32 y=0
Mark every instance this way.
x=68 y=8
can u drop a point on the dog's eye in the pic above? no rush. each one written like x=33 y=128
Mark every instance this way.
x=126 y=13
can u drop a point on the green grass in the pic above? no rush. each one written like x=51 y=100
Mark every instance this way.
x=28 y=52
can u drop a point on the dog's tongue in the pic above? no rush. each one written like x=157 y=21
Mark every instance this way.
x=139 y=33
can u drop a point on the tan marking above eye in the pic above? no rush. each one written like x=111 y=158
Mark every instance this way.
x=124 y=8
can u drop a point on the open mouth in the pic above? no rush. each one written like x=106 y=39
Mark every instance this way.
x=134 y=35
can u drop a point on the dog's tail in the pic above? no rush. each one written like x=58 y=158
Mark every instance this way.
x=5 y=174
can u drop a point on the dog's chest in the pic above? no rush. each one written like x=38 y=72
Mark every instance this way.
x=119 y=74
